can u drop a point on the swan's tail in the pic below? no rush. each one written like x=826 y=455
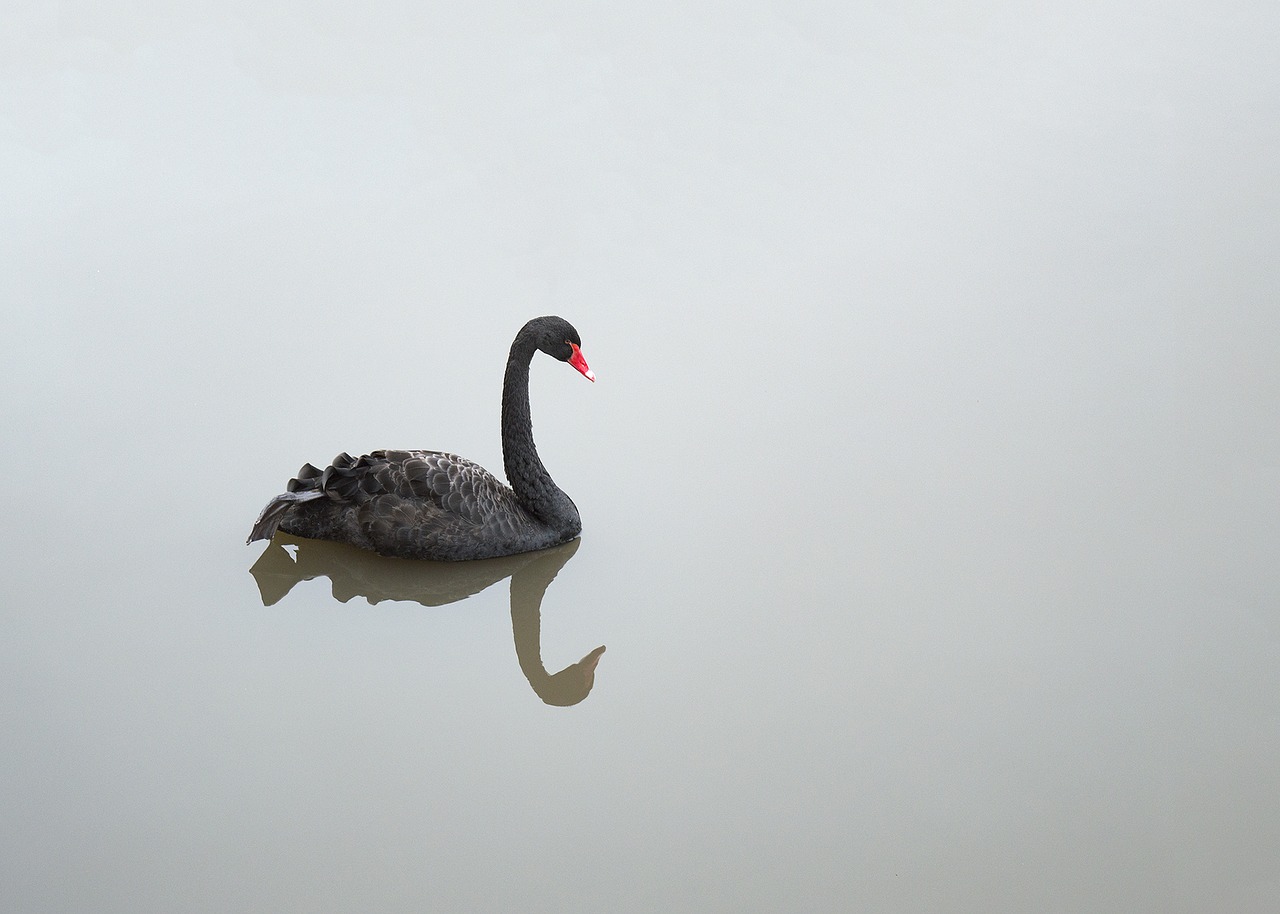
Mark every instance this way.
x=265 y=526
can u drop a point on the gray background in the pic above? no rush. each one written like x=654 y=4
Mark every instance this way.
x=929 y=484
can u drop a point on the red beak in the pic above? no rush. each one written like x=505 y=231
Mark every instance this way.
x=578 y=362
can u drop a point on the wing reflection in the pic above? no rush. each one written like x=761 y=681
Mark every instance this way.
x=355 y=572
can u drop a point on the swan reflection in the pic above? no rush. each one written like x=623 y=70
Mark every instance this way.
x=355 y=572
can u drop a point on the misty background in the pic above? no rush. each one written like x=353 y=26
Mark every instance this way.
x=929 y=485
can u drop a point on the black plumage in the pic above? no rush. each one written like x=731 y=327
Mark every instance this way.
x=433 y=505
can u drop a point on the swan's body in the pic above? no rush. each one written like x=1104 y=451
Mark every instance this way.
x=433 y=505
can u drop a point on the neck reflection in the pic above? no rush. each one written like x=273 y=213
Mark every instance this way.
x=357 y=573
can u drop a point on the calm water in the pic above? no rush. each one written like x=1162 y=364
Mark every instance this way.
x=930 y=485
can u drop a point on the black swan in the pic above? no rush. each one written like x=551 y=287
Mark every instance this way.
x=432 y=505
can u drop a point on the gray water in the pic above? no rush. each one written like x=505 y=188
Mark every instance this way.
x=929 y=485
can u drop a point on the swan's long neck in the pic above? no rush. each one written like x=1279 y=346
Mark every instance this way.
x=528 y=477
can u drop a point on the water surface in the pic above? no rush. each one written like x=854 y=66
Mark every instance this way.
x=929 y=485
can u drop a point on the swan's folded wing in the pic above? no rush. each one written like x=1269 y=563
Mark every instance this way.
x=415 y=503
x=454 y=484
x=411 y=503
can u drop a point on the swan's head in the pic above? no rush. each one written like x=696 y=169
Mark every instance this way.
x=556 y=337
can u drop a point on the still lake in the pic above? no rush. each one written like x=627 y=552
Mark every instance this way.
x=930 y=485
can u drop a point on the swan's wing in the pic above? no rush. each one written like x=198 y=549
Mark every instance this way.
x=426 y=480
x=456 y=485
